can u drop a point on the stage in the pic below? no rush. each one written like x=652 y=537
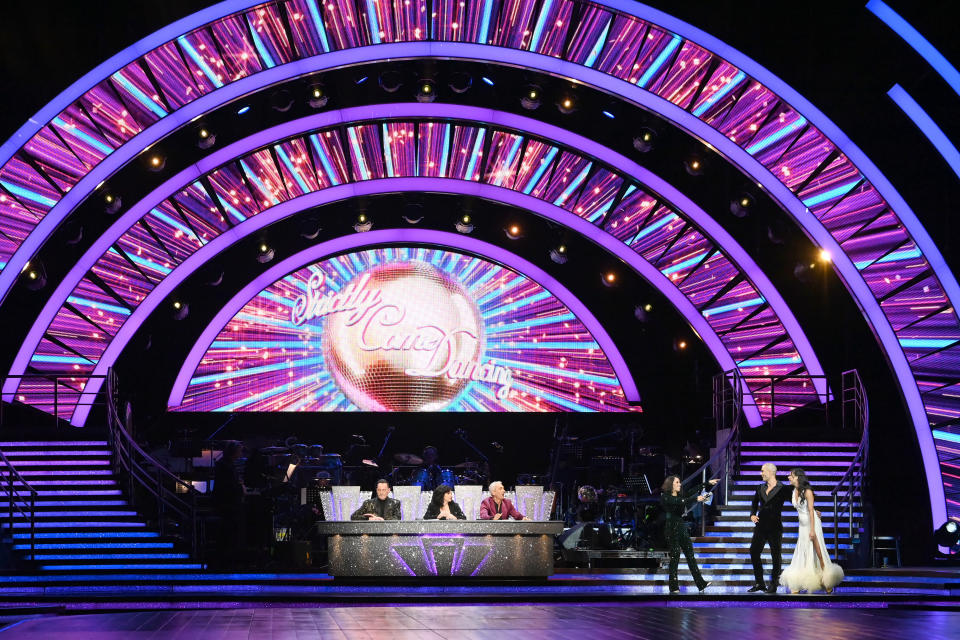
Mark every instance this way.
x=463 y=622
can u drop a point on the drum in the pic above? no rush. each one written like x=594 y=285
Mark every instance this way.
x=422 y=477
x=448 y=477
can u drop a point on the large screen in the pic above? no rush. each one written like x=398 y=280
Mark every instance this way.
x=404 y=329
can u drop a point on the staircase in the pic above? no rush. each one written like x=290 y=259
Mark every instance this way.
x=724 y=552
x=83 y=523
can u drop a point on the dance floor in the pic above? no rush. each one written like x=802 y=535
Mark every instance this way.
x=499 y=622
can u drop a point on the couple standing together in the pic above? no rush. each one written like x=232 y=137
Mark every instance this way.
x=811 y=568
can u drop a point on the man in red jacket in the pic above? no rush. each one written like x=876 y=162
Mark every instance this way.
x=496 y=507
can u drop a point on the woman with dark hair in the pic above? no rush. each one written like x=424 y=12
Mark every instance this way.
x=810 y=568
x=675 y=529
x=442 y=506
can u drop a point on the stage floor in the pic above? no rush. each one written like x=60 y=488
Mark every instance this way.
x=500 y=622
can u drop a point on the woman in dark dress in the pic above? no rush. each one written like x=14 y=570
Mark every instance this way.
x=442 y=506
x=675 y=529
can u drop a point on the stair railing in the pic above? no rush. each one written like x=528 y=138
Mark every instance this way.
x=17 y=502
x=728 y=414
x=171 y=496
x=856 y=415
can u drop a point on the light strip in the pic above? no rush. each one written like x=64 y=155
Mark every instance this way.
x=916 y=40
x=396 y=236
x=927 y=126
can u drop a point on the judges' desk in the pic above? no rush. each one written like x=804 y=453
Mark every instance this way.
x=441 y=548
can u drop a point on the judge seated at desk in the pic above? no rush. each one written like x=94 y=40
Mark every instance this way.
x=496 y=507
x=442 y=506
x=380 y=506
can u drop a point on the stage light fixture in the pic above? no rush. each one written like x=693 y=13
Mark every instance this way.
x=265 y=253
x=360 y=80
x=559 y=254
x=680 y=344
x=74 y=233
x=567 y=104
x=156 y=162
x=825 y=256
x=487 y=80
x=34 y=275
x=362 y=223
x=514 y=231
x=460 y=82
x=318 y=97
x=180 y=310
x=530 y=99
x=426 y=90
x=390 y=81
x=948 y=534
x=111 y=203
x=609 y=279
x=413 y=213
x=741 y=205
x=215 y=280
x=205 y=138
x=281 y=100
x=243 y=110
x=648 y=307
x=640 y=313
x=803 y=272
x=644 y=140
x=465 y=223
x=693 y=165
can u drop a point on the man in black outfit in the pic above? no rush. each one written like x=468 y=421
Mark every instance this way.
x=766 y=513
x=380 y=506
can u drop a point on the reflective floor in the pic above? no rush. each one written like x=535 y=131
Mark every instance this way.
x=499 y=622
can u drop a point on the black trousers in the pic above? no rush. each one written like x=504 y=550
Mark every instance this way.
x=762 y=536
x=680 y=541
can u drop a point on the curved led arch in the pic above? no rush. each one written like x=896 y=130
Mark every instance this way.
x=717 y=234
x=913 y=248
x=537 y=280
x=394 y=185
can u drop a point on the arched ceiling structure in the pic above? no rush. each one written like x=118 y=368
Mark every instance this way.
x=741 y=112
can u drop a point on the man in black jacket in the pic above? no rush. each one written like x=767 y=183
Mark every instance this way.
x=766 y=513
x=380 y=506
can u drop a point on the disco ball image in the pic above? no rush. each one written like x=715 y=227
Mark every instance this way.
x=397 y=356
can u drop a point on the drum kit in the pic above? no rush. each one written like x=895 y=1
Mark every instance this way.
x=409 y=470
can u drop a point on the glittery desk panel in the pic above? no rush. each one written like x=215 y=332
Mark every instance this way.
x=440 y=549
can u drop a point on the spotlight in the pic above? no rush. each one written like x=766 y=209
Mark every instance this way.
x=609 y=279
x=514 y=232
x=948 y=535
x=825 y=255
x=360 y=80
x=215 y=279
x=530 y=98
x=740 y=206
x=648 y=307
x=390 y=81
x=693 y=165
x=567 y=104
x=265 y=253
x=318 y=97
x=362 y=223
x=205 y=138
x=559 y=254
x=281 y=100
x=156 y=162
x=679 y=345
x=460 y=82
x=640 y=313
x=465 y=223
x=242 y=110
x=74 y=233
x=180 y=310
x=309 y=230
x=487 y=80
x=34 y=275
x=644 y=140
x=111 y=203
x=412 y=213
x=426 y=90
x=803 y=272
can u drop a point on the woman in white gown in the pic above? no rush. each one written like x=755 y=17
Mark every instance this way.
x=811 y=568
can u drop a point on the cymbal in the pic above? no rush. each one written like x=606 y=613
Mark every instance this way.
x=467 y=465
x=407 y=458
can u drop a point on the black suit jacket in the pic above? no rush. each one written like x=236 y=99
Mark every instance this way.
x=433 y=512
x=769 y=507
x=391 y=510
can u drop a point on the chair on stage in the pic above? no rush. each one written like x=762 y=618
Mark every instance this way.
x=410 y=498
x=469 y=496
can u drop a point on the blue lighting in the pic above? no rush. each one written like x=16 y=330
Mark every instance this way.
x=836 y=192
x=946 y=435
x=242 y=110
x=774 y=137
x=734 y=81
x=85 y=534
x=926 y=343
x=608 y=114
x=730 y=307
x=125 y=567
x=361 y=80
x=487 y=80
x=927 y=126
x=766 y=362
x=920 y=44
x=649 y=73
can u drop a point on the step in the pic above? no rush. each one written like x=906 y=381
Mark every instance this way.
x=58 y=473
x=77 y=535
x=124 y=567
x=15 y=455
x=78 y=525
x=778 y=445
x=41 y=556
x=94 y=545
x=10 y=444
x=92 y=462
x=70 y=515
x=44 y=504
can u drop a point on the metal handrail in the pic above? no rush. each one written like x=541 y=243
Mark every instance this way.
x=855 y=478
x=726 y=458
x=143 y=471
x=14 y=500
